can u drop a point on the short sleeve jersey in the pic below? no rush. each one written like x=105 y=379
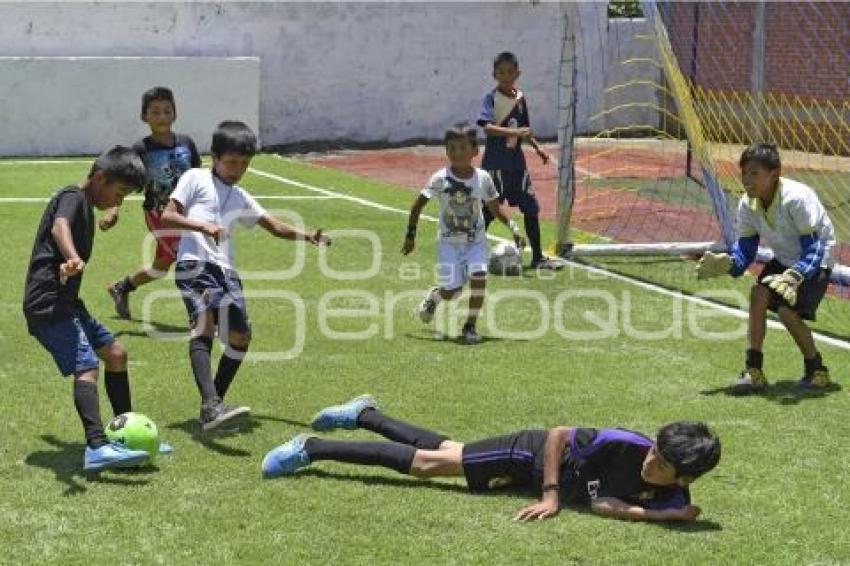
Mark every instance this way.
x=608 y=463
x=164 y=165
x=795 y=211
x=45 y=300
x=207 y=198
x=461 y=218
x=500 y=152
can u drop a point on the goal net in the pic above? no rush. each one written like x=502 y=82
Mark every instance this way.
x=650 y=166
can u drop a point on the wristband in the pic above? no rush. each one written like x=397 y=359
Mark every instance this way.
x=551 y=487
x=512 y=226
x=411 y=232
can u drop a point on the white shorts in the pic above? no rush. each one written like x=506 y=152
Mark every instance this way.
x=456 y=262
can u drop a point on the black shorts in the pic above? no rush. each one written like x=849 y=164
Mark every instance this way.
x=207 y=287
x=512 y=460
x=515 y=187
x=809 y=294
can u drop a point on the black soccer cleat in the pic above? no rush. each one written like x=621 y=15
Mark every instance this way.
x=121 y=298
x=213 y=416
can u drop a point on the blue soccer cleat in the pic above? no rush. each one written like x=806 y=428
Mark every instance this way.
x=286 y=458
x=165 y=449
x=112 y=455
x=343 y=416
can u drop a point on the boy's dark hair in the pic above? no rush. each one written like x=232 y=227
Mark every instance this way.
x=157 y=93
x=459 y=131
x=121 y=164
x=690 y=447
x=233 y=137
x=765 y=154
x=506 y=57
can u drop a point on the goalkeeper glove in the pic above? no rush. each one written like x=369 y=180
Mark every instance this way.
x=785 y=285
x=713 y=265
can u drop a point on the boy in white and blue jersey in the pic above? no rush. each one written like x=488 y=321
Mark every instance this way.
x=789 y=215
x=504 y=118
x=207 y=204
x=463 y=250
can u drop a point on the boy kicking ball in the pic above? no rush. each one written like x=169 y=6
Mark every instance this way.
x=618 y=473
x=462 y=253
x=791 y=217
x=58 y=318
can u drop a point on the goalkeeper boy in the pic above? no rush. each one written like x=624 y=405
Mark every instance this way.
x=791 y=217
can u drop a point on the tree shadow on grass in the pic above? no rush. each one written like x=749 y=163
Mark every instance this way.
x=457 y=340
x=211 y=439
x=157 y=327
x=783 y=392
x=66 y=462
x=378 y=480
x=698 y=526
x=527 y=494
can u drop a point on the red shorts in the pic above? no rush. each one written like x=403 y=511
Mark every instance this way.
x=166 y=245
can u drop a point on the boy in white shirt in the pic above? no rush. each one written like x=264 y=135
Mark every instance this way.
x=463 y=250
x=206 y=205
x=791 y=217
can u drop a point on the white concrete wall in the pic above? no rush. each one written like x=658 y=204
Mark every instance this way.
x=362 y=71
x=81 y=105
x=379 y=72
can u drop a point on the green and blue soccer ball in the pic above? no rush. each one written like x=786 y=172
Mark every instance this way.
x=135 y=431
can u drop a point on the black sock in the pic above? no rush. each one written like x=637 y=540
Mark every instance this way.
x=393 y=455
x=199 y=354
x=488 y=217
x=755 y=359
x=399 y=431
x=118 y=390
x=813 y=364
x=126 y=286
x=227 y=368
x=88 y=407
x=532 y=230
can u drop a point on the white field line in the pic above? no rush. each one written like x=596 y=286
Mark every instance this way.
x=12 y=200
x=642 y=284
x=328 y=194
x=43 y=161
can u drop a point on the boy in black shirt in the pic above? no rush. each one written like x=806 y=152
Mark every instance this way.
x=620 y=473
x=57 y=317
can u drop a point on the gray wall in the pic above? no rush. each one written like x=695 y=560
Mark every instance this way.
x=81 y=105
x=380 y=72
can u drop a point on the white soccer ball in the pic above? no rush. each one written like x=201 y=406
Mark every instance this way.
x=505 y=259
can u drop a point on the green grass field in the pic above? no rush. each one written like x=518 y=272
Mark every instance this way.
x=777 y=497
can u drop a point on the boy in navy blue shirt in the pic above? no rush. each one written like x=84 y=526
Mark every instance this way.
x=504 y=118
x=619 y=473
x=167 y=155
x=57 y=317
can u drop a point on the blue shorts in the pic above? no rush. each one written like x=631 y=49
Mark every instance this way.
x=515 y=187
x=74 y=342
x=205 y=287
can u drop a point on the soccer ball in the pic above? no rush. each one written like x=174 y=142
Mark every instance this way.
x=505 y=259
x=135 y=431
